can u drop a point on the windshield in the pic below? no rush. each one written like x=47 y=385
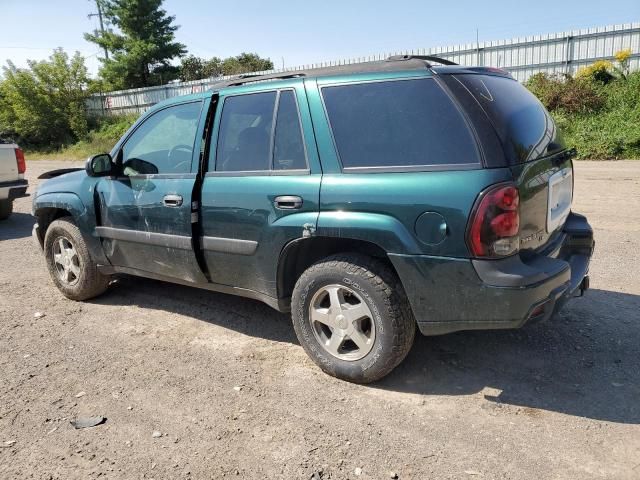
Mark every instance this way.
x=525 y=128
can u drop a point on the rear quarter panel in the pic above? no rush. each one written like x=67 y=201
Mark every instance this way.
x=383 y=207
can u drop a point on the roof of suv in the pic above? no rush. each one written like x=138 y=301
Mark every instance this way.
x=397 y=63
x=394 y=64
x=408 y=63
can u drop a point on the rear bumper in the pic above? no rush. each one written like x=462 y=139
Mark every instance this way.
x=14 y=189
x=448 y=294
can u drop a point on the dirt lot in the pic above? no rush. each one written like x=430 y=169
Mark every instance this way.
x=233 y=394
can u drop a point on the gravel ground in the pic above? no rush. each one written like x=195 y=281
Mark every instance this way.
x=228 y=391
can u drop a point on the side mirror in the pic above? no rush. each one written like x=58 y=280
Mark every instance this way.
x=100 y=165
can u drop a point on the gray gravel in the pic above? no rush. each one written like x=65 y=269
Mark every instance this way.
x=557 y=400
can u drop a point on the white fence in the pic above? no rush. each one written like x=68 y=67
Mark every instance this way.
x=564 y=52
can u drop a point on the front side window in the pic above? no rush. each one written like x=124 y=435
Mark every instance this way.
x=401 y=123
x=248 y=140
x=164 y=142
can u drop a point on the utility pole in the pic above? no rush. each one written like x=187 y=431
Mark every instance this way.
x=99 y=15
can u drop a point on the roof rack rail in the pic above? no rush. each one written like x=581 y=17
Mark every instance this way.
x=248 y=78
x=427 y=58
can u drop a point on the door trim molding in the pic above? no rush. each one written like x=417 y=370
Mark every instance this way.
x=228 y=245
x=148 y=238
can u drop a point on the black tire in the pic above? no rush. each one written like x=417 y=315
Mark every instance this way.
x=88 y=282
x=6 y=208
x=381 y=290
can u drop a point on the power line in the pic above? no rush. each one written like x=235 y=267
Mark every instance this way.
x=14 y=47
x=99 y=15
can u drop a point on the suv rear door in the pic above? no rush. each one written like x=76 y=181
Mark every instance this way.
x=262 y=186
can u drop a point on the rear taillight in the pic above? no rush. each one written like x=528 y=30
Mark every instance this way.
x=495 y=223
x=22 y=165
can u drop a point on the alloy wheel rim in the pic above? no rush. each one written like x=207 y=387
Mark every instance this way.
x=342 y=322
x=66 y=261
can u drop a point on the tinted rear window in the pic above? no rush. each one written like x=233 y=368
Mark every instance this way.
x=244 y=140
x=288 y=146
x=525 y=128
x=396 y=124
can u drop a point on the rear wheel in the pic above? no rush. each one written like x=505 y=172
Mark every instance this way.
x=6 y=208
x=352 y=317
x=71 y=267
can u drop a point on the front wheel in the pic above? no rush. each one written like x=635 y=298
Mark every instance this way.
x=352 y=317
x=71 y=267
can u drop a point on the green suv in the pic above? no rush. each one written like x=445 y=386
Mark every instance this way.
x=365 y=199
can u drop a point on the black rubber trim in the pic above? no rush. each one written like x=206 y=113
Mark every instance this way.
x=58 y=172
x=14 y=183
x=228 y=245
x=18 y=192
x=513 y=272
x=148 y=238
x=577 y=226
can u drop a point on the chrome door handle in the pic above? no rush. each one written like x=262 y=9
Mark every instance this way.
x=172 y=200
x=288 y=202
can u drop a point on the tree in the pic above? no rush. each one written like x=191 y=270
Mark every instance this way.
x=142 y=47
x=195 y=68
x=245 y=63
x=45 y=104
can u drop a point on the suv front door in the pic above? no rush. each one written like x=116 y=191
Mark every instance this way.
x=145 y=217
x=262 y=186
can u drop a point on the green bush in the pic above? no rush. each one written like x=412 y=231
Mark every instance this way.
x=565 y=93
x=103 y=135
x=45 y=104
x=613 y=132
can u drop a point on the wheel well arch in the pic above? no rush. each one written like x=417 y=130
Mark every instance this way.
x=300 y=254
x=46 y=216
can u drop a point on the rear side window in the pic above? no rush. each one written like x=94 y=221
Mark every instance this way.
x=288 y=148
x=248 y=140
x=525 y=128
x=401 y=123
x=244 y=141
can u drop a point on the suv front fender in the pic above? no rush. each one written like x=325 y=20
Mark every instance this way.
x=49 y=206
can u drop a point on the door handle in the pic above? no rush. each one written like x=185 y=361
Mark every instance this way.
x=172 y=200
x=288 y=202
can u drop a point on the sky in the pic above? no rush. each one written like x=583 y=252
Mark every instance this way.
x=297 y=33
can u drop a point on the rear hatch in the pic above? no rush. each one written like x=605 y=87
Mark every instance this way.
x=8 y=165
x=535 y=153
